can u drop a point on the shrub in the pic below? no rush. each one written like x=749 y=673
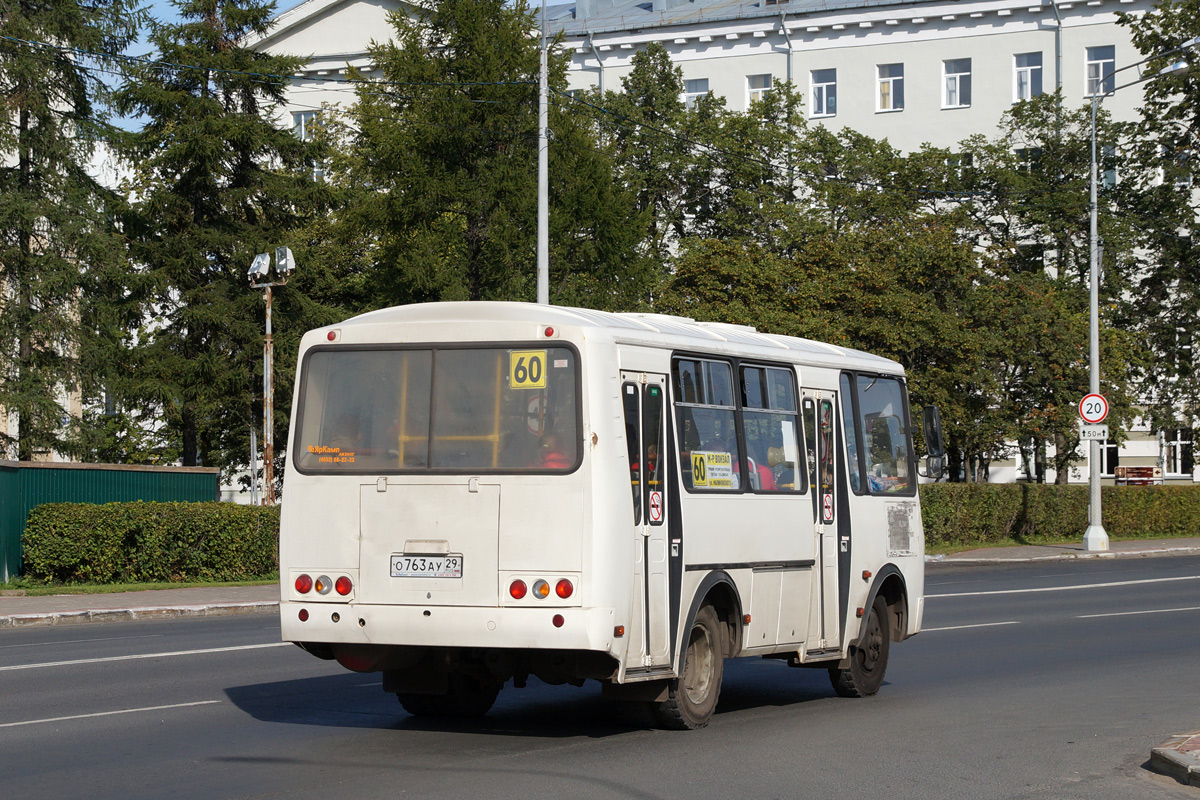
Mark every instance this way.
x=980 y=514
x=135 y=542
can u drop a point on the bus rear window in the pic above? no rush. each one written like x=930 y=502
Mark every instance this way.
x=439 y=409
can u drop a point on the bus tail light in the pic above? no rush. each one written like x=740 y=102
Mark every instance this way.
x=343 y=586
x=558 y=620
x=304 y=584
x=323 y=584
x=541 y=589
x=517 y=589
x=564 y=589
x=303 y=615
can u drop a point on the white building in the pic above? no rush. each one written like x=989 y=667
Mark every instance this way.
x=933 y=71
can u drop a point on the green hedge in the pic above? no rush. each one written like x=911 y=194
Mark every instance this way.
x=135 y=542
x=979 y=514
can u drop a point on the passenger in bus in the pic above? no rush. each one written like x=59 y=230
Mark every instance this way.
x=761 y=477
x=346 y=433
x=552 y=455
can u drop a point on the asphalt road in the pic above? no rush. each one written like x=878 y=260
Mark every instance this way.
x=1031 y=681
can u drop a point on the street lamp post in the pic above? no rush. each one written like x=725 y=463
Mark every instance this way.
x=259 y=270
x=1095 y=538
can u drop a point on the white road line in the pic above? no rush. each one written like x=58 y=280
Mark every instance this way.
x=1066 y=588
x=964 y=627
x=145 y=655
x=79 y=641
x=1132 y=613
x=106 y=713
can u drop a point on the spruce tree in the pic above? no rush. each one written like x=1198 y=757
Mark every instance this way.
x=217 y=179
x=54 y=216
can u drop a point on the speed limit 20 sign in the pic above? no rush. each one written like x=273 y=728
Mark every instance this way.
x=1093 y=408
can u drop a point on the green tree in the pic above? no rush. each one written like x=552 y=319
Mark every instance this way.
x=447 y=154
x=217 y=180
x=55 y=230
x=1159 y=195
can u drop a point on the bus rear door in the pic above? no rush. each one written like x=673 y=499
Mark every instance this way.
x=643 y=397
x=820 y=437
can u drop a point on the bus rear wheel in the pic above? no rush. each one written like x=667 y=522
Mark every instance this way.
x=868 y=658
x=466 y=697
x=692 y=698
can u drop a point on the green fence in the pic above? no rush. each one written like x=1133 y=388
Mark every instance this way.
x=26 y=484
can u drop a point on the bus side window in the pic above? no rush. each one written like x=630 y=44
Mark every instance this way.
x=810 y=448
x=629 y=400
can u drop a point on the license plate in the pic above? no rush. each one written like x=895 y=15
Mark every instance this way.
x=447 y=566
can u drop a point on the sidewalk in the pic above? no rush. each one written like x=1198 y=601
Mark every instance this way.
x=1138 y=548
x=67 y=609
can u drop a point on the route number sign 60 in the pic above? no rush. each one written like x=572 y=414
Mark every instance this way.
x=1093 y=408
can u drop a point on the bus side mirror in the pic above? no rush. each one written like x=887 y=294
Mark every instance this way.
x=935 y=462
x=933 y=432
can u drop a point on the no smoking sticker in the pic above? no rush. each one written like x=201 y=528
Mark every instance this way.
x=656 y=508
x=827 y=508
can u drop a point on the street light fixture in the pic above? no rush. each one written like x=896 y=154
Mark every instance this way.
x=1095 y=538
x=259 y=270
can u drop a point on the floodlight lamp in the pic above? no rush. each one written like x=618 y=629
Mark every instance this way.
x=284 y=262
x=1178 y=68
x=260 y=266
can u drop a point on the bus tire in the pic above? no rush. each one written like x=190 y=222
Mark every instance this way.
x=868 y=658
x=465 y=698
x=692 y=698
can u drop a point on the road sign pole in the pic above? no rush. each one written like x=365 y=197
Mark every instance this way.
x=1093 y=409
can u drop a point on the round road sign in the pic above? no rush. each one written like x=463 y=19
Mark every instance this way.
x=1093 y=408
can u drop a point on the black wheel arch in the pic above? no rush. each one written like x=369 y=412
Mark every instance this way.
x=721 y=592
x=889 y=582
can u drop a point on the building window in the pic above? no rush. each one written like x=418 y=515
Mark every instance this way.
x=1028 y=159
x=958 y=83
x=693 y=90
x=1027 y=76
x=302 y=124
x=891 y=87
x=1110 y=457
x=961 y=163
x=1101 y=61
x=1177 y=443
x=757 y=87
x=1108 y=160
x=824 y=92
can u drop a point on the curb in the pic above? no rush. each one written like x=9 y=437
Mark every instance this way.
x=1166 y=551
x=127 y=614
x=1179 y=757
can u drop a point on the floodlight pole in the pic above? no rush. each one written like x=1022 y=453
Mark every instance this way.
x=543 y=211
x=268 y=398
x=1095 y=537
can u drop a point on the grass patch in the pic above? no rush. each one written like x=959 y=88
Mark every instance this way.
x=32 y=589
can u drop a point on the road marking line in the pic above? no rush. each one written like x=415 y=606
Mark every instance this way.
x=107 y=713
x=1132 y=613
x=1066 y=588
x=964 y=627
x=79 y=641
x=145 y=655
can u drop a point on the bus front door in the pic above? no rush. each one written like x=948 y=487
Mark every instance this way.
x=820 y=441
x=643 y=396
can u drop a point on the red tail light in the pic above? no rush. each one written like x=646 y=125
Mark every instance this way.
x=518 y=589
x=303 y=584
x=564 y=589
x=343 y=586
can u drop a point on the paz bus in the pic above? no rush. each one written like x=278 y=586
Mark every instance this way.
x=481 y=492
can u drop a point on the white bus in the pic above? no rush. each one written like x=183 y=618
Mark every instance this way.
x=480 y=492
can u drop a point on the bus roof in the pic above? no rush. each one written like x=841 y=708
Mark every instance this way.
x=661 y=330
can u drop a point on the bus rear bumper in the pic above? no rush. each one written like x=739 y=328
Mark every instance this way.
x=449 y=626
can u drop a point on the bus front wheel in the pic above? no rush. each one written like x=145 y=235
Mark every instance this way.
x=868 y=659
x=692 y=698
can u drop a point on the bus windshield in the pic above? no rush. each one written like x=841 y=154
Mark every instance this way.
x=438 y=409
